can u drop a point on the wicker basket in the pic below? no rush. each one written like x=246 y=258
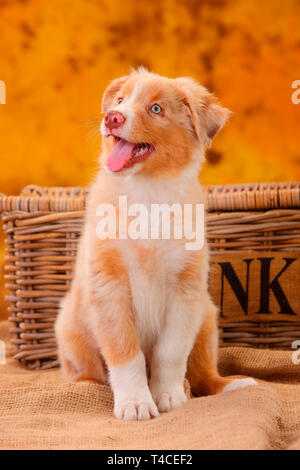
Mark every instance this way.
x=254 y=235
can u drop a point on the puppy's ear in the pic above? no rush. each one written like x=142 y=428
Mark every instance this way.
x=111 y=91
x=207 y=115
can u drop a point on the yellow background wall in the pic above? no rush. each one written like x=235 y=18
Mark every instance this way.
x=57 y=57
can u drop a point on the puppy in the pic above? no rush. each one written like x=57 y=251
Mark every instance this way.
x=141 y=303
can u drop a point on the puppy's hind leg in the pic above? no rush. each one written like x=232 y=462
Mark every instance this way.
x=202 y=371
x=79 y=358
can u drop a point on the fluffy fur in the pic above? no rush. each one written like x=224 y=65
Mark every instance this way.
x=138 y=305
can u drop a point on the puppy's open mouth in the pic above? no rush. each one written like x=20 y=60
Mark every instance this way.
x=125 y=154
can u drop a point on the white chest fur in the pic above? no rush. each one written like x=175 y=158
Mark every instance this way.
x=152 y=265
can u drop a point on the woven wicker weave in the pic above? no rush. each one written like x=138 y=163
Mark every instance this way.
x=43 y=226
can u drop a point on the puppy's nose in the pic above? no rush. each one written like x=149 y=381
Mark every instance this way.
x=114 y=119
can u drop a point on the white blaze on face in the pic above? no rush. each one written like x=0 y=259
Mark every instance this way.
x=126 y=107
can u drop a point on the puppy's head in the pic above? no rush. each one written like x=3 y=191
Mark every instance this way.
x=156 y=125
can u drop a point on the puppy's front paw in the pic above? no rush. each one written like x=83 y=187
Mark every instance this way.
x=166 y=401
x=169 y=400
x=133 y=410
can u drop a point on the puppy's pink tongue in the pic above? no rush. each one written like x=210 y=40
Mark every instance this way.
x=120 y=155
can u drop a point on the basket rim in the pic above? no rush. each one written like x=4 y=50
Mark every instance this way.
x=228 y=197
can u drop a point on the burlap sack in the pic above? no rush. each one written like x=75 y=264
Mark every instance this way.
x=39 y=411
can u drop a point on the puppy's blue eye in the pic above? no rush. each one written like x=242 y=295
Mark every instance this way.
x=155 y=108
x=120 y=100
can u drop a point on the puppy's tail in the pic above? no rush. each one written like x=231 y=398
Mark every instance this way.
x=202 y=371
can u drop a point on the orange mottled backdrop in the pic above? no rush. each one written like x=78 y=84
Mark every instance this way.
x=57 y=57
